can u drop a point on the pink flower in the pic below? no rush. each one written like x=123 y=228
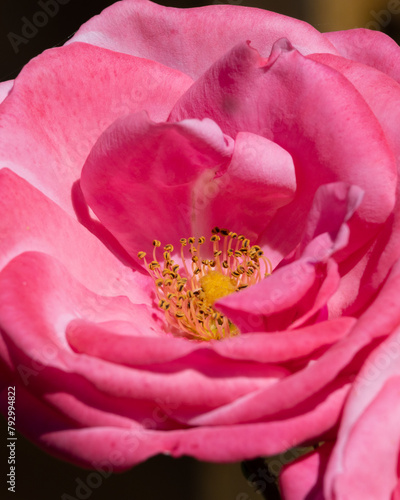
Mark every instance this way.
x=151 y=127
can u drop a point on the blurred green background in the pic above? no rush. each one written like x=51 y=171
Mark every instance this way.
x=39 y=476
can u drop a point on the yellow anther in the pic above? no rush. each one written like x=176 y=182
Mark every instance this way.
x=163 y=304
x=189 y=300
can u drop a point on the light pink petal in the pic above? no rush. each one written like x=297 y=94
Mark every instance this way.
x=258 y=181
x=190 y=40
x=385 y=103
x=35 y=223
x=333 y=205
x=369 y=437
x=303 y=478
x=65 y=98
x=333 y=137
x=5 y=88
x=373 y=267
x=367 y=46
x=140 y=177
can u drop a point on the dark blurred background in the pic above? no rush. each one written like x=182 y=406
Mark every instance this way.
x=42 y=477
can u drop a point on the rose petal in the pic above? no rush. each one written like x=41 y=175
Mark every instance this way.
x=43 y=137
x=365 y=438
x=5 y=88
x=28 y=304
x=303 y=478
x=300 y=287
x=122 y=448
x=378 y=321
x=337 y=121
x=192 y=39
x=265 y=170
x=140 y=177
x=367 y=46
x=278 y=347
x=366 y=274
x=35 y=223
x=124 y=343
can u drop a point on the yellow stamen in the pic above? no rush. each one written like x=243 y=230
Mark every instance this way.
x=187 y=293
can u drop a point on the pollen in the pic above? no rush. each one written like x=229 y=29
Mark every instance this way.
x=187 y=292
x=216 y=285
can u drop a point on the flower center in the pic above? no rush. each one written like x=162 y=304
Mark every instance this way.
x=187 y=294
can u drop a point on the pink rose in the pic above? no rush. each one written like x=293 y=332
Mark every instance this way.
x=148 y=129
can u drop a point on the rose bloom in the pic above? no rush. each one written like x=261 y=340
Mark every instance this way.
x=199 y=230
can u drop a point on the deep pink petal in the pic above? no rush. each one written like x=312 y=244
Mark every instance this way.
x=122 y=448
x=28 y=304
x=258 y=181
x=64 y=99
x=301 y=286
x=275 y=302
x=125 y=343
x=278 y=347
x=190 y=40
x=378 y=321
x=303 y=478
x=141 y=177
x=367 y=46
x=333 y=137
